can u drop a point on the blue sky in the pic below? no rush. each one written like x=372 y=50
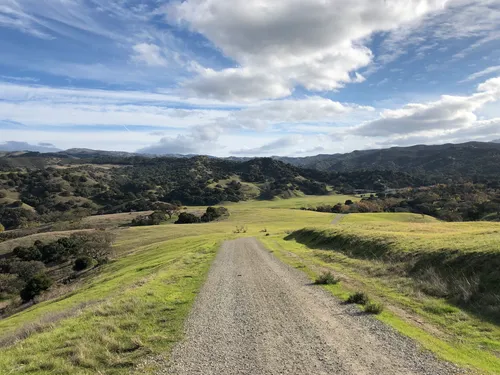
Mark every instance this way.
x=248 y=77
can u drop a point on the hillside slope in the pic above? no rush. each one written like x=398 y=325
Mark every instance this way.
x=465 y=160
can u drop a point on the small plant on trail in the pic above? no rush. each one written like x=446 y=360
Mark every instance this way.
x=359 y=298
x=240 y=229
x=326 y=278
x=374 y=308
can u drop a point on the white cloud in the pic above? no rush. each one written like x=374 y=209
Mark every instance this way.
x=278 y=45
x=307 y=111
x=13 y=16
x=482 y=73
x=475 y=21
x=272 y=147
x=17 y=92
x=150 y=54
x=238 y=84
x=24 y=146
x=39 y=105
x=118 y=140
x=48 y=19
x=449 y=118
x=201 y=139
x=40 y=114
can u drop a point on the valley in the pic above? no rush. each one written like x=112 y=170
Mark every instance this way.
x=107 y=270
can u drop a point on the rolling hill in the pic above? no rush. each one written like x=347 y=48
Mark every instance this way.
x=466 y=160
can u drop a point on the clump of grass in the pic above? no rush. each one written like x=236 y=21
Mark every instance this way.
x=440 y=308
x=359 y=298
x=326 y=278
x=374 y=308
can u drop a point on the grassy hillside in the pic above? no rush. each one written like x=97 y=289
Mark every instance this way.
x=126 y=316
x=440 y=280
x=133 y=309
x=455 y=261
x=460 y=160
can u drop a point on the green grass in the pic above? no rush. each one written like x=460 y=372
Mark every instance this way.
x=134 y=307
x=383 y=217
x=297 y=202
x=447 y=331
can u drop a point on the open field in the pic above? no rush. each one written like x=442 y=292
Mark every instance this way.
x=133 y=308
x=298 y=202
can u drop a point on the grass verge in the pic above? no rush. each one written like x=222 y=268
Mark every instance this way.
x=133 y=310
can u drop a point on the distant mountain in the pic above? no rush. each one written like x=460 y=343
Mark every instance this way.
x=88 y=153
x=496 y=141
x=432 y=164
x=463 y=160
x=13 y=146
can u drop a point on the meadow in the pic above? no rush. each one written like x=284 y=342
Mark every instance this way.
x=127 y=315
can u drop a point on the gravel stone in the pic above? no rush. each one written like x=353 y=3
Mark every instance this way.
x=256 y=315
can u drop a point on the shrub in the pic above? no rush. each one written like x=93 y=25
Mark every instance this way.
x=214 y=213
x=187 y=218
x=374 y=308
x=26 y=270
x=9 y=284
x=14 y=217
x=240 y=229
x=96 y=245
x=27 y=253
x=82 y=263
x=2 y=228
x=359 y=298
x=326 y=278
x=35 y=286
x=156 y=218
x=17 y=204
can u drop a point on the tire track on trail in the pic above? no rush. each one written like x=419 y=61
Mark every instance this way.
x=255 y=315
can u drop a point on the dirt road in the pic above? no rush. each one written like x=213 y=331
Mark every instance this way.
x=256 y=316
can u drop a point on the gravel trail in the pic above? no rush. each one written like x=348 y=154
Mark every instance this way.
x=337 y=218
x=256 y=315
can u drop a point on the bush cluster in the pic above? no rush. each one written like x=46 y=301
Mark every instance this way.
x=465 y=202
x=156 y=218
x=25 y=271
x=211 y=214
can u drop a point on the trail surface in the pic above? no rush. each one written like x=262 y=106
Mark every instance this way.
x=258 y=316
x=337 y=218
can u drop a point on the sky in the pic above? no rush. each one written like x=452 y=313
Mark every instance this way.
x=247 y=77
